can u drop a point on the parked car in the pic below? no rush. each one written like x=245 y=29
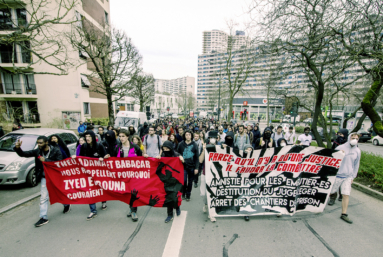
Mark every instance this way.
x=247 y=123
x=308 y=120
x=17 y=170
x=377 y=140
x=286 y=126
x=320 y=131
x=175 y=116
x=364 y=135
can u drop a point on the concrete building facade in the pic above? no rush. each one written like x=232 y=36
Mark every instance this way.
x=216 y=40
x=175 y=86
x=49 y=100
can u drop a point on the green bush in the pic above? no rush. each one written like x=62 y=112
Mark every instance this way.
x=275 y=120
x=371 y=167
x=299 y=129
x=100 y=121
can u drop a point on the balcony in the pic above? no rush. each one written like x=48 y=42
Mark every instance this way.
x=17 y=91
x=13 y=57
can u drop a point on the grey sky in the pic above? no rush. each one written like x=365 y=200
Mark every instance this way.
x=168 y=33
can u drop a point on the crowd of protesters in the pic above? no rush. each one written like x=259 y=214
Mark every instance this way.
x=187 y=140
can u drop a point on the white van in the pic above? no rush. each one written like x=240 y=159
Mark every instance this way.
x=202 y=115
x=126 y=118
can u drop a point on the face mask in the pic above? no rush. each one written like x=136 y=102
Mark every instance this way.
x=353 y=142
x=267 y=135
x=213 y=141
x=283 y=144
x=229 y=141
x=168 y=154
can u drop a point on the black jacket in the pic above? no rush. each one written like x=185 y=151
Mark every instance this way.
x=97 y=150
x=119 y=150
x=190 y=154
x=264 y=139
x=54 y=155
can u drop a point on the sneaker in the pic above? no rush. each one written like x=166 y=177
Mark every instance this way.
x=134 y=216
x=331 y=202
x=340 y=198
x=346 y=218
x=178 y=211
x=129 y=214
x=41 y=222
x=204 y=209
x=183 y=197
x=187 y=198
x=66 y=209
x=91 y=216
x=195 y=185
x=168 y=219
x=103 y=207
x=247 y=218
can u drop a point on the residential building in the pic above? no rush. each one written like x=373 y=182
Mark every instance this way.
x=44 y=99
x=216 y=40
x=175 y=86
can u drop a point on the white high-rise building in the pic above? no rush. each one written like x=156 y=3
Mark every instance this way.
x=216 y=40
x=175 y=86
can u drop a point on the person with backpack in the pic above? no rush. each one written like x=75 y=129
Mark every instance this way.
x=144 y=130
x=152 y=144
x=276 y=136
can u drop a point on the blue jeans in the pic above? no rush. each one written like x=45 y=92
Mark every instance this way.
x=44 y=199
x=93 y=208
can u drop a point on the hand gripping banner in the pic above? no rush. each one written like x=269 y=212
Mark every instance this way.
x=270 y=181
x=136 y=181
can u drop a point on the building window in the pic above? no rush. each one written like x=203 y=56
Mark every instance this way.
x=85 y=81
x=21 y=15
x=6 y=19
x=106 y=18
x=86 y=108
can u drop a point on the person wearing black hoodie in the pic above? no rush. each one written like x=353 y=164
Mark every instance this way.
x=144 y=130
x=172 y=185
x=189 y=150
x=110 y=142
x=340 y=140
x=55 y=140
x=229 y=140
x=265 y=141
x=92 y=149
x=257 y=135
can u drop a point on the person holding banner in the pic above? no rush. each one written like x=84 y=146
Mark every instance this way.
x=265 y=141
x=44 y=153
x=168 y=151
x=347 y=172
x=305 y=139
x=92 y=149
x=122 y=150
x=211 y=142
x=189 y=151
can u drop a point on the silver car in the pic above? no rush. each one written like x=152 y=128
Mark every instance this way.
x=17 y=170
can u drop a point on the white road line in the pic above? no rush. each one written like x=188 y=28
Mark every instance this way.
x=173 y=244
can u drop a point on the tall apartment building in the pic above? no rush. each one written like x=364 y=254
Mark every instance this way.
x=216 y=40
x=175 y=86
x=49 y=100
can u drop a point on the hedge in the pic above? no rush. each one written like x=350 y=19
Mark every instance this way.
x=371 y=168
x=100 y=121
x=275 y=120
x=299 y=129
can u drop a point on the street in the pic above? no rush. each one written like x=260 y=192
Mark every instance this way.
x=111 y=233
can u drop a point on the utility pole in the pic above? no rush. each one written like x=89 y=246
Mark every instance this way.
x=185 y=104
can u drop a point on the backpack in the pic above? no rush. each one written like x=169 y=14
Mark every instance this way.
x=158 y=140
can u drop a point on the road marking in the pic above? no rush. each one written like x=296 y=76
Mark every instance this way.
x=173 y=244
x=18 y=203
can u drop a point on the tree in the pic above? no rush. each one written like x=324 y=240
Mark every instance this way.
x=37 y=32
x=142 y=90
x=115 y=60
x=303 y=31
x=361 y=35
x=191 y=102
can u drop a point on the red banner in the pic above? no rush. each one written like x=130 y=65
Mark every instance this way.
x=136 y=181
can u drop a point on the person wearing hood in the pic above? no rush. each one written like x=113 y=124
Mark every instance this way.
x=342 y=136
x=256 y=135
x=144 y=130
x=93 y=149
x=189 y=151
x=55 y=140
x=282 y=142
x=43 y=153
x=265 y=141
x=168 y=151
x=132 y=132
x=110 y=142
x=229 y=140
x=121 y=150
x=199 y=143
x=347 y=172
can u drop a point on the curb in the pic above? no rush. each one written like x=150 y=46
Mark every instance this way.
x=18 y=203
x=368 y=191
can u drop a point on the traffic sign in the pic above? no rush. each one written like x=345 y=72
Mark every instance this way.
x=245 y=103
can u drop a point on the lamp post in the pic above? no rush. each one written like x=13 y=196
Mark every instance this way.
x=219 y=99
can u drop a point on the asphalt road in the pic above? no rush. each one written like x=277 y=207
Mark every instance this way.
x=111 y=233
x=13 y=193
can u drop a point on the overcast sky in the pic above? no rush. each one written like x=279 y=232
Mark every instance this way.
x=168 y=33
